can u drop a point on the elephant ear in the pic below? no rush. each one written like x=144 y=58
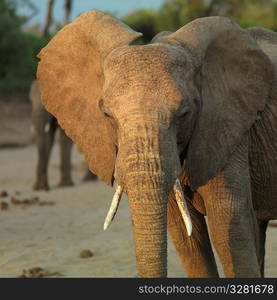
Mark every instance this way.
x=267 y=40
x=235 y=81
x=70 y=75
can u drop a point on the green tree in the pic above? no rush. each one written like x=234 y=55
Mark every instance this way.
x=174 y=14
x=18 y=50
x=144 y=21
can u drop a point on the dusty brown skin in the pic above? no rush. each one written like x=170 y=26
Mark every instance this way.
x=45 y=126
x=200 y=104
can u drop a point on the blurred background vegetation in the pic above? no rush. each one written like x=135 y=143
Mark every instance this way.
x=19 y=43
x=18 y=49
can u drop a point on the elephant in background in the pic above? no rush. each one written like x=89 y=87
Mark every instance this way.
x=185 y=125
x=45 y=126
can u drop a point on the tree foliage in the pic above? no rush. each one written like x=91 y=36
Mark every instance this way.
x=144 y=21
x=18 y=50
x=173 y=14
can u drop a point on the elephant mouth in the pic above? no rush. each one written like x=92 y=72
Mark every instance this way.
x=179 y=197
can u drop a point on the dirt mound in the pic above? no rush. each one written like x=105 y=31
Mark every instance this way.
x=37 y=272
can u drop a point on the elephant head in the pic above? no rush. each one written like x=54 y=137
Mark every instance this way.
x=142 y=114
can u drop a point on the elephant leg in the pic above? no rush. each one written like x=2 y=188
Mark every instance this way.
x=65 y=158
x=195 y=251
x=45 y=133
x=262 y=235
x=232 y=222
x=89 y=176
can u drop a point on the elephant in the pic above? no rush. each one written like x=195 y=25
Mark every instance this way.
x=45 y=125
x=186 y=126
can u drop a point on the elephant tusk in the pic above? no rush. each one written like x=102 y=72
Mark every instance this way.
x=182 y=204
x=114 y=206
x=47 y=127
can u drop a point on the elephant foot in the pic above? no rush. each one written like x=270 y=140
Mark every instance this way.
x=89 y=177
x=65 y=183
x=41 y=186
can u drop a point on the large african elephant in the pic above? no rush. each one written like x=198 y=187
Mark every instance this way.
x=196 y=107
x=45 y=125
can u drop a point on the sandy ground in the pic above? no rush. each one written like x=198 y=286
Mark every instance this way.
x=52 y=236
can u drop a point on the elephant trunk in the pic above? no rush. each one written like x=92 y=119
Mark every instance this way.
x=149 y=215
x=151 y=167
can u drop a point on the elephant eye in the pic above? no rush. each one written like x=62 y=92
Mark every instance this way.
x=107 y=115
x=184 y=110
x=102 y=108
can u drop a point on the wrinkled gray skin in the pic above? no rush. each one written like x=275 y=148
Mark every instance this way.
x=260 y=145
x=199 y=104
x=45 y=126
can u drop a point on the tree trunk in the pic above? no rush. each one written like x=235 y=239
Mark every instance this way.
x=49 y=18
x=67 y=11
